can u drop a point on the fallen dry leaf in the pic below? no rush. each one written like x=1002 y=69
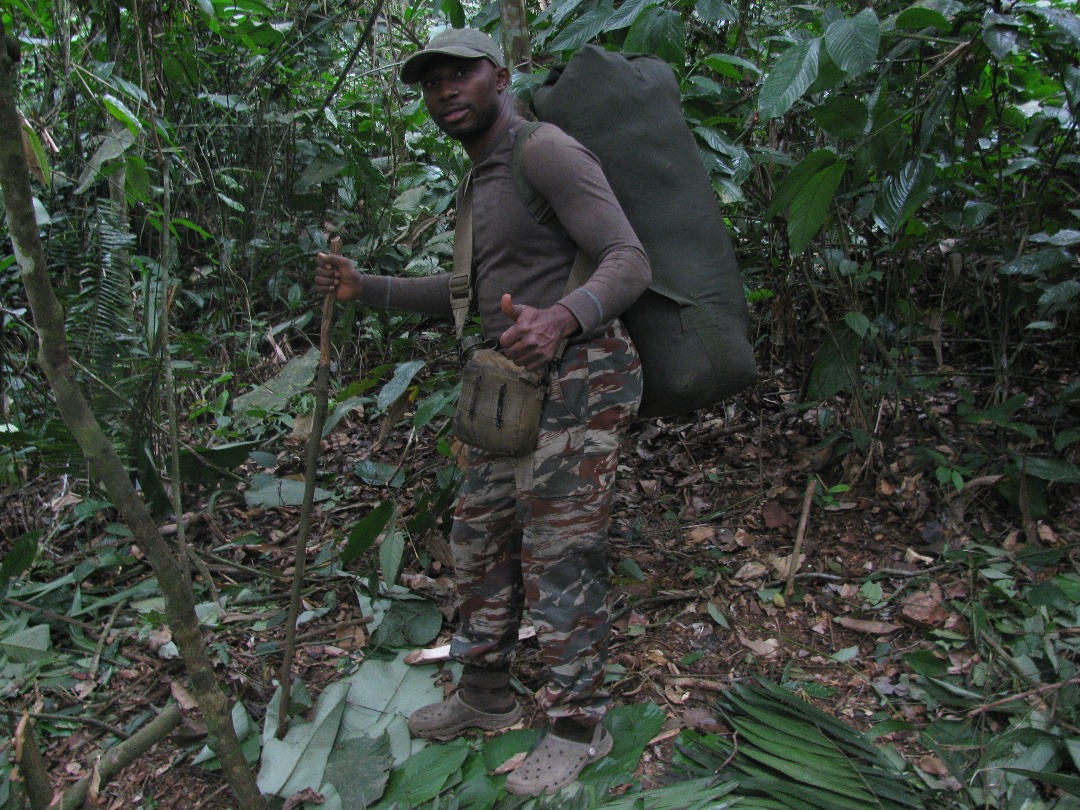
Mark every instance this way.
x=925 y=607
x=305 y=795
x=933 y=765
x=752 y=570
x=511 y=763
x=912 y=556
x=782 y=564
x=775 y=516
x=701 y=534
x=764 y=648
x=867 y=626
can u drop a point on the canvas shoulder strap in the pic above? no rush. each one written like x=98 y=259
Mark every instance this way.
x=462 y=289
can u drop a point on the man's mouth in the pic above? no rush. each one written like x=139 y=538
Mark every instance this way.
x=454 y=115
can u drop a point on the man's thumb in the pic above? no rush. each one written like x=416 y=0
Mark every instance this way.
x=509 y=308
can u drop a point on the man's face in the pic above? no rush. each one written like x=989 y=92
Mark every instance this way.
x=463 y=95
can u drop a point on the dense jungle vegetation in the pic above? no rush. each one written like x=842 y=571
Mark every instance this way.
x=902 y=184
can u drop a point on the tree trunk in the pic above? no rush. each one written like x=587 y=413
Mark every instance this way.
x=99 y=451
x=515 y=34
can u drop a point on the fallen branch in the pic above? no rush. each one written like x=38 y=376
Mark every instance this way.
x=1038 y=691
x=120 y=756
x=804 y=518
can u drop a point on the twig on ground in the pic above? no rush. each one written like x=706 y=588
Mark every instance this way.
x=120 y=756
x=804 y=518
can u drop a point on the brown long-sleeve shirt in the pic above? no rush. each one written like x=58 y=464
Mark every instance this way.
x=515 y=254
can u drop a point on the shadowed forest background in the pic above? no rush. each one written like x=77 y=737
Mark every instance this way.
x=883 y=530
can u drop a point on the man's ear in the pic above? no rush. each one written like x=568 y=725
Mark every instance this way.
x=502 y=78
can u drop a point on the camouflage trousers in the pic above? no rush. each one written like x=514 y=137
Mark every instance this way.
x=532 y=532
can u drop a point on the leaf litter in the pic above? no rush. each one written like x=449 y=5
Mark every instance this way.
x=878 y=629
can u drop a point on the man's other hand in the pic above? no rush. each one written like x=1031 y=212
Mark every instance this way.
x=536 y=334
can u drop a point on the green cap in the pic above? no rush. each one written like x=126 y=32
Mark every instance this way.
x=464 y=43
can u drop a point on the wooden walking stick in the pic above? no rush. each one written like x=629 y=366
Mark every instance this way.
x=322 y=385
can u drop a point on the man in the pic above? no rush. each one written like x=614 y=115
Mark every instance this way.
x=531 y=531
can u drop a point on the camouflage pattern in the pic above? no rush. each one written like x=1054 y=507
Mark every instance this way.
x=532 y=532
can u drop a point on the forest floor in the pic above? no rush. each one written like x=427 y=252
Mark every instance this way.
x=707 y=515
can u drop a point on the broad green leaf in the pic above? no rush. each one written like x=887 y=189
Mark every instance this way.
x=853 y=42
x=399 y=384
x=374 y=472
x=914 y=18
x=1060 y=20
x=299 y=760
x=454 y=12
x=112 y=146
x=835 y=367
x=626 y=14
x=408 y=202
x=341 y=409
x=999 y=34
x=391 y=554
x=431 y=407
x=424 y=775
x=208 y=465
x=858 y=322
x=19 y=559
x=382 y=694
x=268 y=492
x=29 y=644
x=811 y=202
x=658 y=31
x=408 y=623
x=1038 y=263
x=793 y=73
x=584 y=29
x=273 y=396
x=1049 y=469
x=367 y=531
x=39 y=152
x=119 y=110
x=716 y=11
x=1059 y=296
x=1066 y=237
x=902 y=194
x=728 y=65
x=359 y=769
x=842 y=116
x=977 y=212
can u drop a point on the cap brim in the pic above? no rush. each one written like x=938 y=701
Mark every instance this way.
x=413 y=69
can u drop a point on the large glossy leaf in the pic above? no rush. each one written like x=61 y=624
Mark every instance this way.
x=853 y=42
x=658 y=31
x=902 y=194
x=793 y=73
x=806 y=194
x=18 y=559
x=842 y=116
x=627 y=13
x=584 y=29
x=297 y=762
x=835 y=366
x=399 y=384
x=367 y=531
x=423 y=777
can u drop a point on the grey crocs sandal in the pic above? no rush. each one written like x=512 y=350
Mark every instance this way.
x=556 y=762
x=446 y=720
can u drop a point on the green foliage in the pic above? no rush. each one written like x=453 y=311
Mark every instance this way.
x=793 y=755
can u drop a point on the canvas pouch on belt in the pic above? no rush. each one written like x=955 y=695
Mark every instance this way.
x=499 y=407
